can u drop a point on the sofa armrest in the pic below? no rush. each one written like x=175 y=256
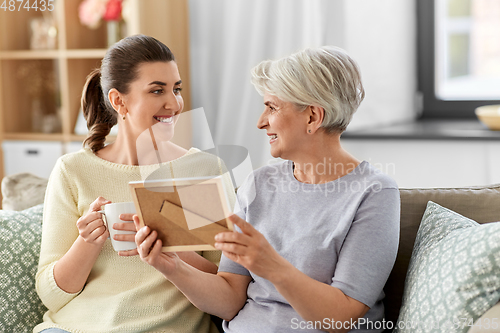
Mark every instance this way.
x=489 y=322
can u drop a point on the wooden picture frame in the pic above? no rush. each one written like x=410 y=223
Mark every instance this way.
x=187 y=213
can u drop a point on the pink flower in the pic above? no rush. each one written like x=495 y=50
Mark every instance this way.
x=90 y=12
x=113 y=10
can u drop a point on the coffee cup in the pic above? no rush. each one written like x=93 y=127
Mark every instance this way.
x=111 y=215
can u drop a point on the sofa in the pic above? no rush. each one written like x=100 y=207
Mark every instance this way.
x=20 y=231
x=481 y=204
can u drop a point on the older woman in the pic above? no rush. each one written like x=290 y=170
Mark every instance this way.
x=318 y=232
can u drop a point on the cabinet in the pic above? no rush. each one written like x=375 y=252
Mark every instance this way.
x=40 y=89
x=36 y=157
x=431 y=163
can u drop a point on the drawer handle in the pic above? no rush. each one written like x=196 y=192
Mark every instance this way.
x=32 y=152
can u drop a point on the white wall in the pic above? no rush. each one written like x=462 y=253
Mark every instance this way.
x=381 y=36
x=229 y=37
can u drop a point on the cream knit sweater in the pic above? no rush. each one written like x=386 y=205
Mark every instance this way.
x=122 y=294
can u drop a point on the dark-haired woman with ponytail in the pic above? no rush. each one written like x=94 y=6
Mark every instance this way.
x=84 y=283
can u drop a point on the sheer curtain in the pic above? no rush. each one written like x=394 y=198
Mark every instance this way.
x=229 y=37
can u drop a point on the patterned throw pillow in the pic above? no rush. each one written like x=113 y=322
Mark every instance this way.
x=20 y=234
x=454 y=273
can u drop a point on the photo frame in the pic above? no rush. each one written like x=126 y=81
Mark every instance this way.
x=186 y=213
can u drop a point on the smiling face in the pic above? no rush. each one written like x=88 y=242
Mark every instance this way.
x=154 y=100
x=286 y=127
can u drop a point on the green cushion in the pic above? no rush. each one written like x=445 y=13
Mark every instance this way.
x=20 y=234
x=453 y=277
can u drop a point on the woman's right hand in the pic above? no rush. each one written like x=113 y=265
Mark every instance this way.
x=91 y=226
x=150 y=250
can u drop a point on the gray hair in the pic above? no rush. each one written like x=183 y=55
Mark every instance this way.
x=326 y=77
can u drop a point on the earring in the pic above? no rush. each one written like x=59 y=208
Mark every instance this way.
x=123 y=117
x=308 y=131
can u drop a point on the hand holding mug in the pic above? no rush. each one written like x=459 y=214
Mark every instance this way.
x=125 y=232
x=91 y=226
x=118 y=218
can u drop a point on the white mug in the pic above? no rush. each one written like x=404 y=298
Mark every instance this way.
x=111 y=215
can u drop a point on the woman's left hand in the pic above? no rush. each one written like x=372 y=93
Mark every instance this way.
x=251 y=250
x=128 y=225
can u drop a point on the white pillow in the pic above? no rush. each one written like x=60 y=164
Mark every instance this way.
x=22 y=191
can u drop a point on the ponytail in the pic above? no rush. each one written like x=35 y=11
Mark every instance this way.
x=99 y=118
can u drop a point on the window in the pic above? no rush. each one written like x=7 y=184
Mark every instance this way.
x=459 y=56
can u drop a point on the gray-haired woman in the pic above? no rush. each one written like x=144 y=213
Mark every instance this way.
x=318 y=233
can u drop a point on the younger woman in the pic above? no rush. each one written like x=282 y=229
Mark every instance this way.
x=85 y=284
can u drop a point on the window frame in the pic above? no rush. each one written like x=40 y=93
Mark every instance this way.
x=433 y=107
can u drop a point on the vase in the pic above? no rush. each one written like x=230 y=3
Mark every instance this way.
x=43 y=34
x=114 y=32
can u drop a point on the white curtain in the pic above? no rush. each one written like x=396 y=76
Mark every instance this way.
x=229 y=37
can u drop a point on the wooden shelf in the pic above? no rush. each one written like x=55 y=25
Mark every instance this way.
x=33 y=136
x=38 y=83
x=53 y=54
x=84 y=54
x=50 y=137
x=42 y=54
x=77 y=137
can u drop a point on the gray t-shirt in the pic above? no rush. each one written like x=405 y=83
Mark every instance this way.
x=344 y=233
